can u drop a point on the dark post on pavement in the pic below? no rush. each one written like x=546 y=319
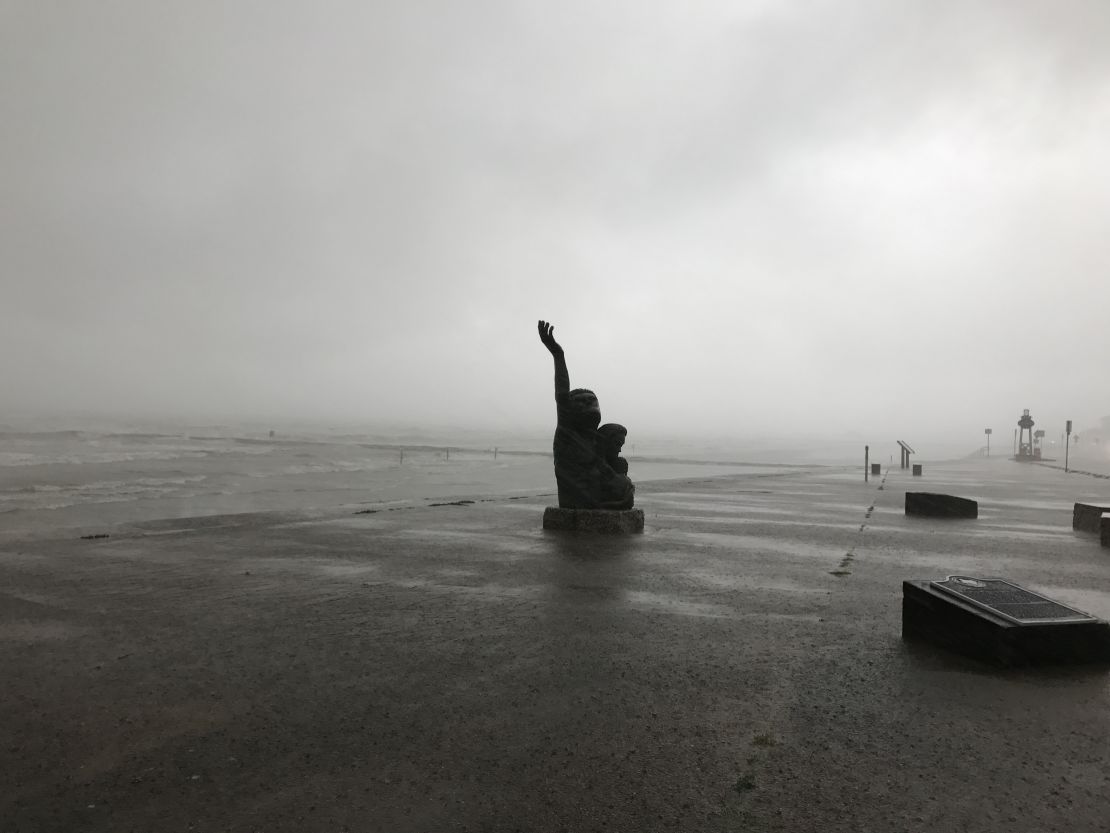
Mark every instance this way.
x=1067 y=447
x=866 y=454
x=988 y=432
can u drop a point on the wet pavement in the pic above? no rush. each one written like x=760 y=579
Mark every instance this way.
x=738 y=666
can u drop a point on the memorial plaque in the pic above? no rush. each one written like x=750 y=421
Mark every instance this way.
x=1010 y=601
x=995 y=620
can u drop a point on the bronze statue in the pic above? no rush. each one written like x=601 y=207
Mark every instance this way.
x=589 y=470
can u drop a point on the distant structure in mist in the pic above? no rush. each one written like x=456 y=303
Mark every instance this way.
x=1025 y=450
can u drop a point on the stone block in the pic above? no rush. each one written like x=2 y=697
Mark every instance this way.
x=931 y=505
x=876 y=468
x=997 y=621
x=1088 y=516
x=1104 y=530
x=594 y=520
x=917 y=469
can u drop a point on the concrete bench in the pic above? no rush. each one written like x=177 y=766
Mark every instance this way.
x=931 y=505
x=997 y=621
x=1088 y=516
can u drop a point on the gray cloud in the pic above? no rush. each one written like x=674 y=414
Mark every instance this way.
x=741 y=217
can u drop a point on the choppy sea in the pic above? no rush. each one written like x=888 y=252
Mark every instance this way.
x=102 y=477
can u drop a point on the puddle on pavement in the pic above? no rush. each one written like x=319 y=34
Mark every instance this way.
x=726 y=582
x=345 y=569
x=454 y=536
x=1025 y=503
x=33 y=632
x=667 y=519
x=932 y=564
x=457 y=572
x=671 y=604
x=490 y=592
x=747 y=544
x=1022 y=532
x=19 y=559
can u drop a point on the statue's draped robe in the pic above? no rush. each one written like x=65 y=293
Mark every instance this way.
x=585 y=479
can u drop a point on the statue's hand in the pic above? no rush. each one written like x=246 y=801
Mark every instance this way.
x=547 y=337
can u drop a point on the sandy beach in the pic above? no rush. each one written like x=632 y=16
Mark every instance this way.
x=453 y=667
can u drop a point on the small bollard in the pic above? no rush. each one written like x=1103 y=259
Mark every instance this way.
x=876 y=468
x=917 y=469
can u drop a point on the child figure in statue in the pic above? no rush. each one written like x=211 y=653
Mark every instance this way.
x=610 y=441
x=586 y=464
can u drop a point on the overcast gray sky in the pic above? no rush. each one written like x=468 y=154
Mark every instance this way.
x=741 y=216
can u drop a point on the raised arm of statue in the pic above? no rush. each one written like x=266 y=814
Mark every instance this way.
x=562 y=375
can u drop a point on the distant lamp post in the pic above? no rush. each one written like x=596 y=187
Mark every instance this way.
x=988 y=432
x=1067 y=447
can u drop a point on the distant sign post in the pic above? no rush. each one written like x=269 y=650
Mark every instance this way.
x=988 y=432
x=1067 y=447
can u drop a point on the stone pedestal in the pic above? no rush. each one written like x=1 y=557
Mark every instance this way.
x=917 y=469
x=1104 y=530
x=876 y=469
x=594 y=520
x=1088 y=516
x=1001 y=623
x=932 y=505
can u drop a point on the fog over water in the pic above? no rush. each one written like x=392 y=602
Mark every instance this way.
x=746 y=219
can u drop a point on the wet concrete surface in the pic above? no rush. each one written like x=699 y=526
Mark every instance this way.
x=737 y=667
